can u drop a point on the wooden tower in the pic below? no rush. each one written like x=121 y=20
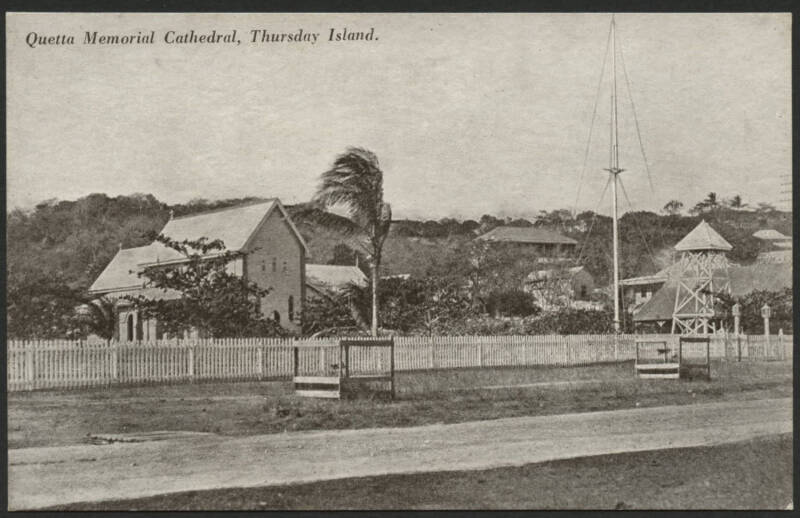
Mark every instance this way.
x=703 y=272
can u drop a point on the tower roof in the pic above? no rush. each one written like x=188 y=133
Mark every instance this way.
x=703 y=237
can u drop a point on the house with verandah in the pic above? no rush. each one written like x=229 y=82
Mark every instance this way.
x=274 y=257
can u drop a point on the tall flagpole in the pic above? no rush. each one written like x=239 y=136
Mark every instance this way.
x=614 y=170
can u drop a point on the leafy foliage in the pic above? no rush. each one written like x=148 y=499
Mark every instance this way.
x=427 y=306
x=209 y=298
x=512 y=302
x=329 y=312
x=750 y=306
x=40 y=305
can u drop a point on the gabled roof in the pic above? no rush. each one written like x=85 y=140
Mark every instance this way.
x=531 y=235
x=235 y=226
x=703 y=237
x=770 y=235
x=744 y=279
x=335 y=277
x=120 y=273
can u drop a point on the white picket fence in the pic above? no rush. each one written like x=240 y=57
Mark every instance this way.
x=43 y=364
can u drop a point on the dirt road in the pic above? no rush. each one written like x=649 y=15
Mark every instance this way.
x=40 y=477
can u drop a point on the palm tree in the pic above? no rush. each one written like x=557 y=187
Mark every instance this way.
x=355 y=183
x=673 y=207
x=736 y=202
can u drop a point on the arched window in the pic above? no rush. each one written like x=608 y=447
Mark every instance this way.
x=291 y=308
x=129 y=334
x=274 y=265
x=139 y=330
x=276 y=317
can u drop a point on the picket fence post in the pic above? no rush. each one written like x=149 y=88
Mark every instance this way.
x=29 y=374
x=190 y=363
x=114 y=361
x=260 y=360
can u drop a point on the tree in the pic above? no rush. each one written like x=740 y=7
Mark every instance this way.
x=97 y=317
x=355 y=182
x=40 y=305
x=736 y=203
x=750 y=306
x=559 y=218
x=343 y=255
x=673 y=207
x=765 y=208
x=709 y=204
x=202 y=294
x=511 y=302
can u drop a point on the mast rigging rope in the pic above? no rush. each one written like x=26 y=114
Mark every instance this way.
x=591 y=125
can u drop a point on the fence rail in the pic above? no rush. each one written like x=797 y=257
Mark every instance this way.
x=43 y=364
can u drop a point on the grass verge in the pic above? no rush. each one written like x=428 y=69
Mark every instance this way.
x=54 y=418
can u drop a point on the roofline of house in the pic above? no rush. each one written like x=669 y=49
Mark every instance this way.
x=113 y=290
x=223 y=209
x=645 y=279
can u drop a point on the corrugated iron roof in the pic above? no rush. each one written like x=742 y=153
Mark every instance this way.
x=662 y=275
x=233 y=225
x=332 y=276
x=532 y=235
x=770 y=235
x=703 y=237
x=120 y=273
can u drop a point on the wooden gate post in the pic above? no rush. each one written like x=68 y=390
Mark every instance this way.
x=739 y=346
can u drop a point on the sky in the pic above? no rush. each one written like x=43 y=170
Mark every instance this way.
x=468 y=113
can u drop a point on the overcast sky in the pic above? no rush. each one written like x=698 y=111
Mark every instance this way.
x=469 y=114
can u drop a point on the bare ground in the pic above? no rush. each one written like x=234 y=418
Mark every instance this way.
x=40 y=477
x=706 y=477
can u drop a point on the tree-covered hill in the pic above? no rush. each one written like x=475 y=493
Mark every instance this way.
x=61 y=246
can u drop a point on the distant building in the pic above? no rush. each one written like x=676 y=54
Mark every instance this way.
x=781 y=244
x=771 y=235
x=561 y=287
x=322 y=278
x=638 y=290
x=652 y=299
x=275 y=259
x=543 y=242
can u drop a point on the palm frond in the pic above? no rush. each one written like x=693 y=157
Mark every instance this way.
x=355 y=181
x=315 y=213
